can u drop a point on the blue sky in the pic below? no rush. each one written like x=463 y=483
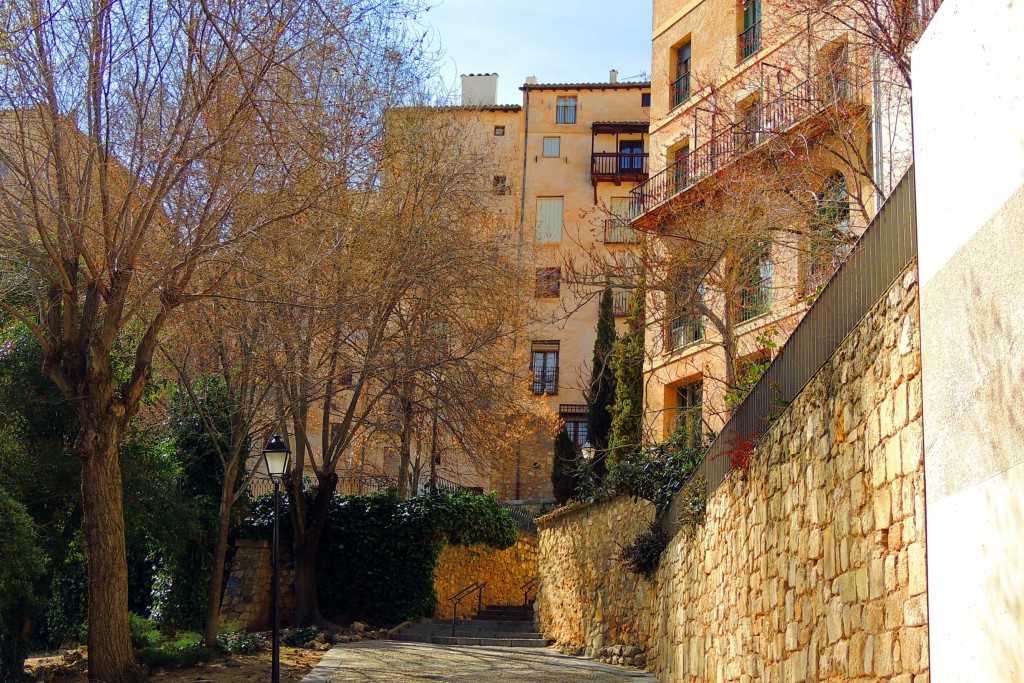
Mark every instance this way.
x=555 y=40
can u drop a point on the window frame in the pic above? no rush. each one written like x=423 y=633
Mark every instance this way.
x=500 y=186
x=547 y=282
x=499 y=131
x=565 y=109
x=679 y=88
x=550 y=234
x=544 y=375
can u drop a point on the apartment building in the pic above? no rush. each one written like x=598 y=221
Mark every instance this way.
x=558 y=169
x=767 y=127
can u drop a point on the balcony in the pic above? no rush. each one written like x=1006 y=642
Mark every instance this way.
x=620 y=302
x=618 y=167
x=619 y=231
x=797 y=108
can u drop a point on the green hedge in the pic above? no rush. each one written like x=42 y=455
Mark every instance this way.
x=377 y=556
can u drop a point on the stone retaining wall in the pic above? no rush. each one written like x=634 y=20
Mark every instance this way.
x=810 y=567
x=503 y=570
x=247 y=591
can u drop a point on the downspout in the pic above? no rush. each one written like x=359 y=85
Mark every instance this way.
x=876 y=97
x=519 y=255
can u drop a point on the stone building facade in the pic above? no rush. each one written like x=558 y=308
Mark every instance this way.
x=810 y=566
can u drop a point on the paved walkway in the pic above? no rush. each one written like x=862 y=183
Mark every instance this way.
x=388 y=661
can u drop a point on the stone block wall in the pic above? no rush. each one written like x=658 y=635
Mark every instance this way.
x=503 y=570
x=809 y=567
x=246 y=597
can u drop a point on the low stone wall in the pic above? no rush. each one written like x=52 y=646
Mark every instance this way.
x=503 y=570
x=809 y=567
x=247 y=591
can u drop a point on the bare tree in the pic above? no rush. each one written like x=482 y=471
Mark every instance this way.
x=130 y=132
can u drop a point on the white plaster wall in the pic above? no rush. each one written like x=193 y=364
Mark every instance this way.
x=968 y=108
x=968 y=81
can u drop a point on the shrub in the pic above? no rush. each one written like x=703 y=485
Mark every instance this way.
x=297 y=637
x=643 y=553
x=656 y=474
x=693 y=503
x=377 y=556
x=23 y=563
x=233 y=639
x=145 y=632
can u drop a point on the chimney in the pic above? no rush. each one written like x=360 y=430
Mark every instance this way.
x=479 y=90
x=613 y=76
x=531 y=80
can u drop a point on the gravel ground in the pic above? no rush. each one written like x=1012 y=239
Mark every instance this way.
x=400 y=662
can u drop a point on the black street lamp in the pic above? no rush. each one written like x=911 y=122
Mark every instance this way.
x=275 y=457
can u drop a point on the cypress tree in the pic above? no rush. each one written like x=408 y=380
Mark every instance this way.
x=628 y=364
x=601 y=392
x=563 y=480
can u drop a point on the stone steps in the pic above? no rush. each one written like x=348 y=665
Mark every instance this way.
x=495 y=626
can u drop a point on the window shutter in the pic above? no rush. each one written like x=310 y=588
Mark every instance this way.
x=549 y=219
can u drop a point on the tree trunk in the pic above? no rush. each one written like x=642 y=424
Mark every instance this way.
x=111 y=659
x=220 y=551
x=405 y=448
x=307 y=601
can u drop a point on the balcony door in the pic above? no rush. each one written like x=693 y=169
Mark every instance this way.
x=631 y=156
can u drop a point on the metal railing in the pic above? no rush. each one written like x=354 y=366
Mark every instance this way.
x=680 y=88
x=358 y=484
x=545 y=381
x=754 y=302
x=530 y=585
x=565 y=113
x=773 y=116
x=461 y=595
x=523 y=518
x=619 y=231
x=618 y=163
x=749 y=41
x=620 y=302
x=880 y=255
x=685 y=330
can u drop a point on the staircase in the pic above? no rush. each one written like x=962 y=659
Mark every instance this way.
x=495 y=625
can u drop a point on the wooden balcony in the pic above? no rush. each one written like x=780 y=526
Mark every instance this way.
x=618 y=167
x=798 y=111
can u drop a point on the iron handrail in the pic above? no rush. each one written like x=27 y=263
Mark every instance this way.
x=526 y=588
x=461 y=595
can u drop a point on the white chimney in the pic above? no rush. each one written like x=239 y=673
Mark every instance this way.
x=531 y=80
x=613 y=76
x=479 y=90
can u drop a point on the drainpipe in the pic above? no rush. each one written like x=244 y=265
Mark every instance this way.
x=519 y=253
x=876 y=98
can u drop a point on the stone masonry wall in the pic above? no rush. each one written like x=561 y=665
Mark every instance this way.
x=503 y=570
x=247 y=591
x=809 y=568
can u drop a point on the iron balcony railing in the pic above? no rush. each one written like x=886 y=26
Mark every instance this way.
x=619 y=231
x=620 y=302
x=565 y=113
x=776 y=115
x=685 y=330
x=545 y=381
x=754 y=302
x=749 y=41
x=878 y=258
x=618 y=163
x=680 y=87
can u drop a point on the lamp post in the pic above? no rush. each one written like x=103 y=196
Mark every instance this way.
x=275 y=457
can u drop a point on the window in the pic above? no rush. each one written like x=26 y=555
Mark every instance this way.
x=829 y=237
x=577 y=430
x=617 y=229
x=565 y=112
x=835 y=79
x=756 y=282
x=499 y=131
x=689 y=398
x=645 y=99
x=549 y=219
x=681 y=85
x=544 y=367
x=548 y=282
x=500 y=185
x=748 y=129
x=750 y=38
x=687 y=324
x=552 y=147
x=679 y=159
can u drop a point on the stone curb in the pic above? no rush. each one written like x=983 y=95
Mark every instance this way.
x=322 y=672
